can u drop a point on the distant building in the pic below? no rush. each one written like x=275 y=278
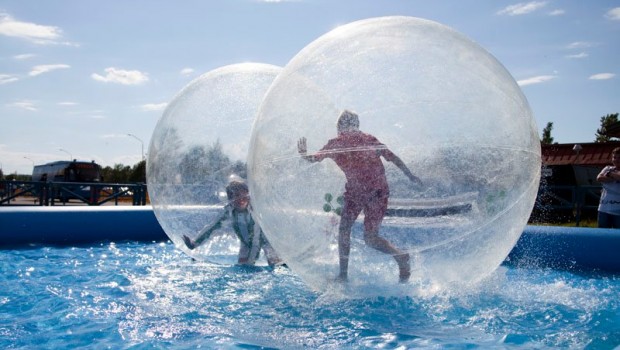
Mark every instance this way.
x=568 y=187
x=575 y=164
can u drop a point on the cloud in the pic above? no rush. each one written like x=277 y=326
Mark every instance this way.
x=45 y=68
x=121 y=76
x=187 y=71
x=578 y=55
x=7 y=78
x=535 y=80
x=580 y=45
x=35 y=33
x=602 y=76
x=67 y=103
x=613 y=14
x=522 y=8
x=27 y=105
x=557 y=12
x=153 y=107
x=24 y=56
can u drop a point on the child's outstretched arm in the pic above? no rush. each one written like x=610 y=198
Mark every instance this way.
x=302 y=149
x=206 y=231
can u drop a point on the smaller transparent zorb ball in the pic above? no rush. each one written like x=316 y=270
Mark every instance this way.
x=199 y=145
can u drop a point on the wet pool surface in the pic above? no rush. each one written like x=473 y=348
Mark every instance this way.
x=143 y=296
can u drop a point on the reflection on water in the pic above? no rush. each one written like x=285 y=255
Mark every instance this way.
x=152 y=295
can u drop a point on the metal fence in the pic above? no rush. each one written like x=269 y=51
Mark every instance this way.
x=552 y=201
x=15 y=193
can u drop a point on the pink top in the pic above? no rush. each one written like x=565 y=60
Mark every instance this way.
x=358 y=155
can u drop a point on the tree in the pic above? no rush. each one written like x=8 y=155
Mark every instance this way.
x=240 y=169
x=119 y=174
x=547 y=139
x=192 y=168
x=165 y=145
x=138 y=172
x=217 y=161
x=606 y=122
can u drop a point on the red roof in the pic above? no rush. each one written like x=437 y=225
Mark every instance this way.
x=592 y=154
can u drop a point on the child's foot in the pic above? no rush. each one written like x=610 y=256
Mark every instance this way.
x=276 y=262
x=188 y=242
x=341 y=279
x=404 y=268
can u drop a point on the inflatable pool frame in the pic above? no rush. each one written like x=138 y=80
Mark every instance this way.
x=572 y=248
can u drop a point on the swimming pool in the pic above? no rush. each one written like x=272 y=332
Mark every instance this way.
x=151 y=295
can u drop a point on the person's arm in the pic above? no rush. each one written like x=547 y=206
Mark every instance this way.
x=206 y=231
x=608 y=174
x=302 y=149
x=401 y=165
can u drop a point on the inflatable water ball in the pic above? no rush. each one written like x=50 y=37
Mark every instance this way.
x=199 y=145
x=441 y=103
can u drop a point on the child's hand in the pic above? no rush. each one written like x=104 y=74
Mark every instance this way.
x=416 y=181
x=302 y=146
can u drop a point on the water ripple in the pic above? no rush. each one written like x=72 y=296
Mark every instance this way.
x=143 y=296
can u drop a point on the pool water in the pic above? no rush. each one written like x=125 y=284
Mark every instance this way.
x=144 y=296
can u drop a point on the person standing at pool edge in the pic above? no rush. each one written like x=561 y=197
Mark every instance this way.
x=358 y=155
x=609 y=206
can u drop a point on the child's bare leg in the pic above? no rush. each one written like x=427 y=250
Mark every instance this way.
x=381 y=244
x=404 y=267
x=344 y=248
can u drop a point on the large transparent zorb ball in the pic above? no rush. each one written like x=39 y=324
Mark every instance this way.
x=200 y=144
x=437 y=100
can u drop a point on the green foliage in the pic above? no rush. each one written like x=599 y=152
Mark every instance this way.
x=547 y=139
x=117 y=174
x=606 y=122
x=17 y=177
x=138 y=172
x=121 y=173
x=203 y=164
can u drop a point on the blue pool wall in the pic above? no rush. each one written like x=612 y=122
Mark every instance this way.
x=78 y=225
x=539 y=246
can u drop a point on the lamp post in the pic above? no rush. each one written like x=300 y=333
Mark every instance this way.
x=141 y=144
x=579 y=193
x=30 y=160
x=67 y=152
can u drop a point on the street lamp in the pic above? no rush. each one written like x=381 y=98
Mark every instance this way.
x=31 y=161
x=141 y=143
x=67 y=152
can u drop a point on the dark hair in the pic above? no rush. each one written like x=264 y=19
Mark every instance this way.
x=348 y=120
x=235 y=187
x=615 y=151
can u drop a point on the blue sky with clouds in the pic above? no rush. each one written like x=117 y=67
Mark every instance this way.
x=78 y=76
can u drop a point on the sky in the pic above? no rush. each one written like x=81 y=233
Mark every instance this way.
x=88 y=80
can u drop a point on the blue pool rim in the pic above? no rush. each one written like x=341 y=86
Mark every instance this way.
x=574 y=248
x=71 y=225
